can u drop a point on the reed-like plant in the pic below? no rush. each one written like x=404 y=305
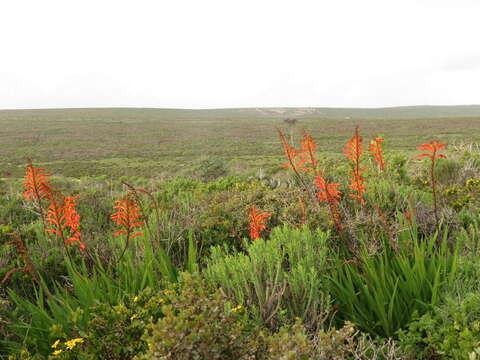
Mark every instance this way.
x=381 y=292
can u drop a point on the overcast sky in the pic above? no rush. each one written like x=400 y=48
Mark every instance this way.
x=210 y=54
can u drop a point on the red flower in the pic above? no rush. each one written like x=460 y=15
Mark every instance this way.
x=297 y=158
x=64 y=219
x=36 y=184
x=376 y=150
x=327 y=192
x=257 y=220
x=293 y=155
x=353 y=151
x=126 y=216
x=308 y=151
x=432 y=148
x=331 y=195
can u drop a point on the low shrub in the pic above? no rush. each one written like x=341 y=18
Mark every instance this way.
x=449 y=331
x=198 y=324
x=114 y=332
x=279 y=278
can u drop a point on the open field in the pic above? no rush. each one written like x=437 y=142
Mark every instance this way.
x=165 y=142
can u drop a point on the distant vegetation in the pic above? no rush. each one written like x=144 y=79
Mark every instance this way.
x=176 y=234
x=157 y=143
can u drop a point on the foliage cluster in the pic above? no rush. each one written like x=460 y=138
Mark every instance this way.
x=370 y=257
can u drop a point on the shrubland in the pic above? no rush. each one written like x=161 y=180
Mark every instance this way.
x=371 y=255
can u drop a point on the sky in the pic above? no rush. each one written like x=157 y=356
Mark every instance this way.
x=244 y=53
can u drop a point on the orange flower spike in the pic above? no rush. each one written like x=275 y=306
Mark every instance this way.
x=376 y=151
x=353 y=151
x=432 y=149
x=291 y=153
x=55 y=216
x=72 y=220
x=126 y=216
x=330 y=194
x=308 y=151
x=257 y=220
x=36 y=184
x=64 y=219
x=327 y=192
x=353 y=148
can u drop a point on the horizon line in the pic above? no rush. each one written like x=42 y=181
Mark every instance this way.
x=236 y=108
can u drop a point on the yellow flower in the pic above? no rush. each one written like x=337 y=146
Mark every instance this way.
x=133 y=317
x=72 y=343
x=136 y=298
x=57 y=352
x=238 y=308
x=55 y=344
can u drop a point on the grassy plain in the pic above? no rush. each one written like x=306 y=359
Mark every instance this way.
x=165 y=142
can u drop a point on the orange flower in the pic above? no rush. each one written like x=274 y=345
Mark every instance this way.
x=331 y=195
x=293 y=155
x=376 y=151
x=307 y=151
x=62 y=215
x=297 y=158
x=36 y=184
x=432 y=148
x=353 y=151
x=257 y=220
x=126 y=216
x=327 y=192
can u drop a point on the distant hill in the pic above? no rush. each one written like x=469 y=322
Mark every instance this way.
x=400 y=112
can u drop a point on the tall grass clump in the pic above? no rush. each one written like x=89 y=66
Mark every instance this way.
x=381 y=292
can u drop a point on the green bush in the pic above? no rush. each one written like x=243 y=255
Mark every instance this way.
x=281 y=277
x=115 y=332
x=198 y=324
x=290 y=343
x=449 y=331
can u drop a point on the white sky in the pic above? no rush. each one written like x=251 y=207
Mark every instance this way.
x=208 y=53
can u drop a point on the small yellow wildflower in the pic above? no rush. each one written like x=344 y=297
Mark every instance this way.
x=72 y=343
x=237 y=308
x=136 y=298
x=57 y=352
x=134 y=316
x=55 y=344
